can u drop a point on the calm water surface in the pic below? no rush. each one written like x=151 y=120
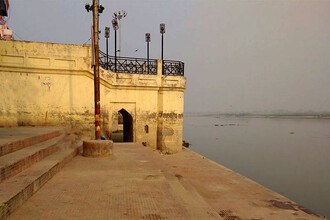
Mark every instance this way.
x=289 y=156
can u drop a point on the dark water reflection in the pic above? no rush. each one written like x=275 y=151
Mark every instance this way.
x=289 y=156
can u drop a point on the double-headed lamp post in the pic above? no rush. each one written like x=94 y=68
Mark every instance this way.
x=115 y=27
x=148 y=41
x=162 y=31
x=107 y=35
x=96 y=10
x=119 y=15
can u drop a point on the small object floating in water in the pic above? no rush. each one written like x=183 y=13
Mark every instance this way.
x=227 y=125
x=216 y=125
x=291 y=132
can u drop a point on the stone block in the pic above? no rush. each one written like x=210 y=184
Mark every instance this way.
x=97 y=148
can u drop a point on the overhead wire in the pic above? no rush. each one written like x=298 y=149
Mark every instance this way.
x=17 y=36
x=87 y=40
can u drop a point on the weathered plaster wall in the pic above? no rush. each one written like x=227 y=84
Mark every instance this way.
x=47 y=84
x=52 y=84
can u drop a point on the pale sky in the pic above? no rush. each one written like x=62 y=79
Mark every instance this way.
x=240 y=55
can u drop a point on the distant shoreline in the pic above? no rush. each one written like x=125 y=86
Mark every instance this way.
x=284 y=116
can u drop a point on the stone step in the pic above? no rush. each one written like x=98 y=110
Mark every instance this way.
x=14 y=191
x=13 y=163
x=18 y=138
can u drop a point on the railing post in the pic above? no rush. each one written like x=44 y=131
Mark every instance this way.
x=107 y=53
x=147 y=57
x=136 y=66
x=162 y=51
x=115 y=51
x=148 y=39
x=159 y=67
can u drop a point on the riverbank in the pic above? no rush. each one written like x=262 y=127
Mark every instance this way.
x=275 y=152
x=284 y=116
x=140 y=183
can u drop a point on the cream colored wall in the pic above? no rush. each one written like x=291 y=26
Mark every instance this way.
x=52 y=84
x=47 y=84
x=170 y=118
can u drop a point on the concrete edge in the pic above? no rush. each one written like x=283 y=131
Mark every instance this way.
x=254 y=182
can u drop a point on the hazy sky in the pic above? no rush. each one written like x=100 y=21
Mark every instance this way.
x=240 y=55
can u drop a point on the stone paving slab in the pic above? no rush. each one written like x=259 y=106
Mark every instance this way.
x=140 y=183
x=130 y=185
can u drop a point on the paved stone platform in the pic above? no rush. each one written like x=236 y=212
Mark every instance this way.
x=140 y=183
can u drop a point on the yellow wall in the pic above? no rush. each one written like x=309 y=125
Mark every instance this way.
x=52 y=84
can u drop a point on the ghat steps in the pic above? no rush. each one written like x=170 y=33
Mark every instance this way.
x=29 y=157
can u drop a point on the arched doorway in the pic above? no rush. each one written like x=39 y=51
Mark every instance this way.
x=124 y=124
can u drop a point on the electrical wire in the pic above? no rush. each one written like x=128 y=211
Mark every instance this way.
x=17 y=36
x=87 y=40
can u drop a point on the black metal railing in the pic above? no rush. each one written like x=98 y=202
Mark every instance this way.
x=128 y=64
x=140 y=65
x=173 y=68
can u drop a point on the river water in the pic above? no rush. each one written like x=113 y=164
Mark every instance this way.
x=289 y=156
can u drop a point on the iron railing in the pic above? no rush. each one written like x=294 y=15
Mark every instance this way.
x=139 y=65
x=128 y=64
x=173 y=68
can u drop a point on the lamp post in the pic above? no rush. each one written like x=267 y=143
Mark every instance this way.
x=162 y=31
x=115 y=27
x=148 y=41
x=119 y=15
x=107 y=35
x=96 y=10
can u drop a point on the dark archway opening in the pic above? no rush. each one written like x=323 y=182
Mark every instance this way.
x=127 y=126
x=124 y=127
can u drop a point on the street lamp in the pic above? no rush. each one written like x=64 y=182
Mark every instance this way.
x=148 y=41
x=107 y=35
x=119 y=15
x=162 y=31
x=115 y=27
x=89 y=7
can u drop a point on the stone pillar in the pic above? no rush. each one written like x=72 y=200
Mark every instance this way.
x=170 y=116
x=170 y=119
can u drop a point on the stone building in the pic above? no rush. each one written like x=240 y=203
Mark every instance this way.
x=52 y=84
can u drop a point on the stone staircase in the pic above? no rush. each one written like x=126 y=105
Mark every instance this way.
x=29 y=157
